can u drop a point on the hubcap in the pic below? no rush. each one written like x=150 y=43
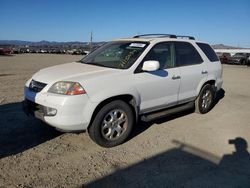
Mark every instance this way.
x=206 y=99
x=114 y=124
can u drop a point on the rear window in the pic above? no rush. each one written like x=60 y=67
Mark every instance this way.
x=211 y=55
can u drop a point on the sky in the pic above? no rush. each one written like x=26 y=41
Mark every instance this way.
x=215 y=21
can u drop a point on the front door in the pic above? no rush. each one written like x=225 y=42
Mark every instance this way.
x=159 y=89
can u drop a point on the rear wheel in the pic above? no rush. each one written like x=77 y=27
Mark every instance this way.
x=205 y=100
x=112 y=124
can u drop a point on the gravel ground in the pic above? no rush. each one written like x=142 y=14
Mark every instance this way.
x=183 y=150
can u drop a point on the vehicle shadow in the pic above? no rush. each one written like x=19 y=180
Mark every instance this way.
x=143 y=126
x=184 y=166
x=219 y=96
x=19 y=132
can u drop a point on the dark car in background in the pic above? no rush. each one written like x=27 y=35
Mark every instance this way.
x=248 y=61
x=240 y=58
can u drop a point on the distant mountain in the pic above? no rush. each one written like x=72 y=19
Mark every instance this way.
x=43 y=43
x=222 y=46
x=77 y=43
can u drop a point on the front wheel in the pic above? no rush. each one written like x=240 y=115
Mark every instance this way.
x=242 y=62
x=112 y=124
x=205 y=100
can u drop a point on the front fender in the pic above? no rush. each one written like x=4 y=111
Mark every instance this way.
x=100 y=96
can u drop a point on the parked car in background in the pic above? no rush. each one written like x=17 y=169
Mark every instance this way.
x=5 y=51
x=225 y=58
x=240 y=58
x=248 y=60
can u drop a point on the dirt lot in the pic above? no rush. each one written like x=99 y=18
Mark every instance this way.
x=184 y=150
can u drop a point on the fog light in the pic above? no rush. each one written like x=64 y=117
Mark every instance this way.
x=49 y=111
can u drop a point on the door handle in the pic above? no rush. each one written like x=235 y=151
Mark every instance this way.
x=203 y=72
x=176 y=77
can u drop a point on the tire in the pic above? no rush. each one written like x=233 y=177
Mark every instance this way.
x=114 y=117
x=242 y=62
x=205 y=100
x=248 y=62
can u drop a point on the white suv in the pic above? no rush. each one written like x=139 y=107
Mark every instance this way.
x=109 y=90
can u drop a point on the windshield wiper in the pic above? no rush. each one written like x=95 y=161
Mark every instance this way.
x=96 y=64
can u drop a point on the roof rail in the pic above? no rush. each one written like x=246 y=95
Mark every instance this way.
x=165 y=35
x=183 y=36
x=158 y=35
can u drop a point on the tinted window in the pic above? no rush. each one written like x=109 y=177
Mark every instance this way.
x=186 y=54
x=211 y=55
x=162 y=52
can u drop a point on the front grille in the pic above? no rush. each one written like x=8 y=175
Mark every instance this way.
x=36 y=86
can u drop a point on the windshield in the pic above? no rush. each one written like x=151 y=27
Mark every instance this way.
x=119 y=55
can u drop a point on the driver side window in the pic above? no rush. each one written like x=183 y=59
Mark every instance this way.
x=164 y=53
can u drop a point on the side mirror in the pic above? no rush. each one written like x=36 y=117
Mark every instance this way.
x=150 y=65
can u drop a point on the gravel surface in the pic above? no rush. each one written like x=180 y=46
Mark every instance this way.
x=183 y=150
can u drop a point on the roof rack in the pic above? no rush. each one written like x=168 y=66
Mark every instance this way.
x=165 y=35
x=158 y=35
x=183 y=36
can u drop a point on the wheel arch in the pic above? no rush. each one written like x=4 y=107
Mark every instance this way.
x=198 y=108
x=128 y=98
x=211 y=82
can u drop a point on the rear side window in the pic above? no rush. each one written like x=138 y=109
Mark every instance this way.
x=211 y=55
x=186 y=54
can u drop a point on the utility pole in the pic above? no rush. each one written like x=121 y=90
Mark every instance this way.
x=91 y=40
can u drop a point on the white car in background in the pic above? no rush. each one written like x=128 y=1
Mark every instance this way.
x=144 y=77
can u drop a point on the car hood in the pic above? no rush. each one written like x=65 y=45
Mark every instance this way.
x=70 y=72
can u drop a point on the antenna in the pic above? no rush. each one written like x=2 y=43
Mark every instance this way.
x=91 y=40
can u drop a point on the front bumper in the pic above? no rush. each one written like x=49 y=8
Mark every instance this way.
x=32 y=109
x=235 y=61
x=73 y=113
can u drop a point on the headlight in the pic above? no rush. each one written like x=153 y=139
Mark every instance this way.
x=67 y=88
x=28 y=82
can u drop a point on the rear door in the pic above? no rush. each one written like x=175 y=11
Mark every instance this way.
x=214 y=67
x=193 y=71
